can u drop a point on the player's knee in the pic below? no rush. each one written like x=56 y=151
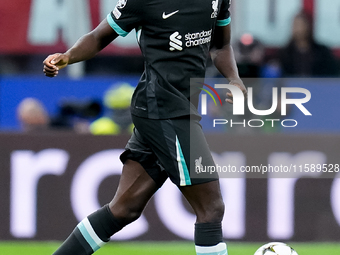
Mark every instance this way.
x=131 y=216
x=212 y=213
x=217 y=212
x=126 y=214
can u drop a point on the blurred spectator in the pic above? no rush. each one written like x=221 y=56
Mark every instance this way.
x=72 y=116
x=249 y=54
x=303 y=56
x=32 y=115
x=75 y=114
x=117 y=118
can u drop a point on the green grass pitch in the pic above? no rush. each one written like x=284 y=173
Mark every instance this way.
x=163 y=248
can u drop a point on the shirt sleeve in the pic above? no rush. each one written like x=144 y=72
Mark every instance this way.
x=223 y=18
x=125 y=16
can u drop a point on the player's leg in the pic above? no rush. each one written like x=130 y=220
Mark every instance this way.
x=207 y=203
x=135 y=189
x=204 y=193
x=177 y=143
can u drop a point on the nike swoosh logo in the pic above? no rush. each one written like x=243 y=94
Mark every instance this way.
x=165 y=16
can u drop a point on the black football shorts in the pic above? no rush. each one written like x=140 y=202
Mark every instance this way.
x=172 y=148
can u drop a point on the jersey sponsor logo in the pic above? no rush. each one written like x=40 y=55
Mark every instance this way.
x=191 y=39
x=165 y=16
x=121 y=4
x=175 y=42
x=215 y=9
x=199 y=38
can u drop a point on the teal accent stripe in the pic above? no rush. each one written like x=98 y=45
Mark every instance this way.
x=184 y=165
x=115 y=26
x=87 y=236
x=224 y=22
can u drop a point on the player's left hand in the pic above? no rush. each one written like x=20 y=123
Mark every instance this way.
x=238 y=83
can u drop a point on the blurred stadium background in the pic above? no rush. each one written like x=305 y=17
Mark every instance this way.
x=54 y=169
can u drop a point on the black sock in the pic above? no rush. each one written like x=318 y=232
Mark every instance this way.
x=209 y=239
x=208 y=234
x=91 y=233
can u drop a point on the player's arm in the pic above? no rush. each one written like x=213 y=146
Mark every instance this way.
x=85 y=48
x=224 y=59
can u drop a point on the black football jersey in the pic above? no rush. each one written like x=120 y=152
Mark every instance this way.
x=174 y=37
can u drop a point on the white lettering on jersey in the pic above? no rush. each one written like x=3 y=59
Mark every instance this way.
x=199 y=38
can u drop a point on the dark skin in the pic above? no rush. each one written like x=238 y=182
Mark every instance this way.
x=224 y=60
x=136 y=187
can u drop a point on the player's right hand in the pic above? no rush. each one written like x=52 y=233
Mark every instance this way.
x=238 y=83
x=53 y=63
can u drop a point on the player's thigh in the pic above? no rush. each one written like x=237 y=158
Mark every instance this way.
x=135 y=189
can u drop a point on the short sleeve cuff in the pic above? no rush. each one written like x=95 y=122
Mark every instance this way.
x=224 y=22
x=115 y=26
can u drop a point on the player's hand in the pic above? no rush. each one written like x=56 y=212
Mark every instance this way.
x=238 y=83
x=53 y=63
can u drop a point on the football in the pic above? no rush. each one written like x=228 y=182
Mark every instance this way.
x=275 y=248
